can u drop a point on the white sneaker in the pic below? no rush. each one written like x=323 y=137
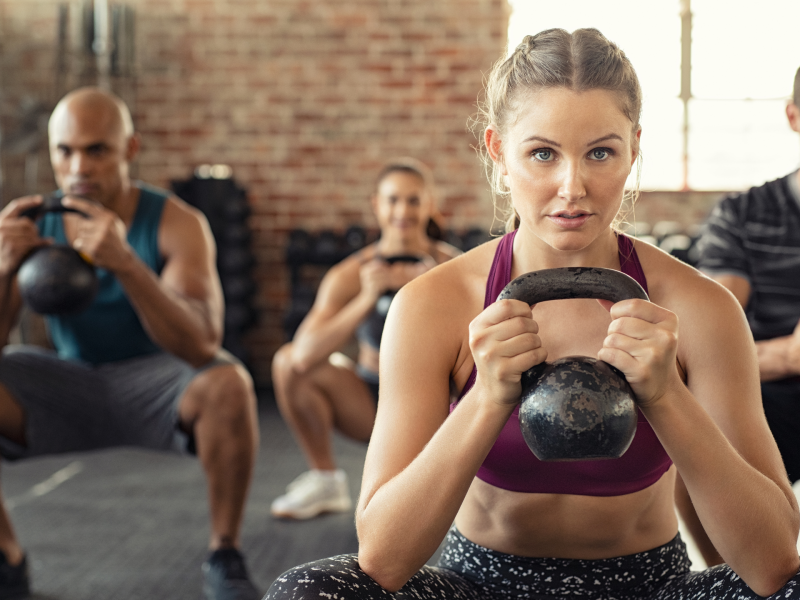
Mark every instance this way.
x=313 y=493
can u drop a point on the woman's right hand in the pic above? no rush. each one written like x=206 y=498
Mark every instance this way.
x=375 y=276
x=18 y=235
x=504 y=344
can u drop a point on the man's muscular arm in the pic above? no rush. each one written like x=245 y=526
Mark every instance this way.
x=182 y=310
x=18 y=237
x=777 y=358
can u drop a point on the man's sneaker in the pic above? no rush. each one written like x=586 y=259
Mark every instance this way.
x=14 y=581
x=313 y=493
x=226 y=577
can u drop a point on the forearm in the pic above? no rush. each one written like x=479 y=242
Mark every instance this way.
x=314 y=344
x=405 y=520
x=9 y=307
x=750 y=519
x=775 y=359
x=176 y=324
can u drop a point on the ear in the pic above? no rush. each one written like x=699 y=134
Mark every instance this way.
x=134 y=145
x=373 y=201
x=491 y=138
x=637 y=138
x=793 y=114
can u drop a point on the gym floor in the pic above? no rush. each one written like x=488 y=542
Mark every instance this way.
x=131 y=524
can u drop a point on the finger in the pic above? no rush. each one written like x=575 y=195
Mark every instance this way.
x=15 y=207
x=518 y=345
x=621 y=360
x=85 y=206
x=641 y=309
x=503 y=310
x=527 y=360
x=633 y=327
x=510 y=328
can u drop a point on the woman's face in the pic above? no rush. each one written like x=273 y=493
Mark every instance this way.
x=565 y=158
x=402 y=205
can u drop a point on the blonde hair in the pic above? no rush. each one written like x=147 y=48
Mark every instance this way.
x=580 y=61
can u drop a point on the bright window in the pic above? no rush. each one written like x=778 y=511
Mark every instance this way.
x=744 y=56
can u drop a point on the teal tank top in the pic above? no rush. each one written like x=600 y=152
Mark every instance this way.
x=109 y=330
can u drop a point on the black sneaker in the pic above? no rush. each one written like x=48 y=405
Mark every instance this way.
x=14 y=581
x=226 y=577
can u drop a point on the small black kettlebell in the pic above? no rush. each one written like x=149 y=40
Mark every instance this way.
x=376 y=320
x=56 y=280
x=575 y=408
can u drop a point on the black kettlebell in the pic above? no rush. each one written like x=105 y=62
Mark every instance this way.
x=377 y=318
x=56 y=280
x=576 y=408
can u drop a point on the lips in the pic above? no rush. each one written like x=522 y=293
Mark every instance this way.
x=81 y=189
x=569 y=219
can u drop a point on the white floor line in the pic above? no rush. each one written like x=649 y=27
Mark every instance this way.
x=46 y=486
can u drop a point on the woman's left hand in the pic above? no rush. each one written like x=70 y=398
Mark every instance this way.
x=403 y=272
x=642 y=342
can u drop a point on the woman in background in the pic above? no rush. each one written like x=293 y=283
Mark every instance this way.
x=319 y=389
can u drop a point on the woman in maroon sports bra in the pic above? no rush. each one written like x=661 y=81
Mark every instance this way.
x=561 y=131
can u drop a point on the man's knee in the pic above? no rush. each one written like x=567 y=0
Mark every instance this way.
x=226 y=391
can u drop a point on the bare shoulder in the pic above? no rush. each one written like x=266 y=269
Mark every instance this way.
x=708 y=314
x=444 y=251
x=440 y=304
x=183 y=228
x=680 y=287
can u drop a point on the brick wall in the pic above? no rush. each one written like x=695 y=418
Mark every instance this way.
x=303 y=98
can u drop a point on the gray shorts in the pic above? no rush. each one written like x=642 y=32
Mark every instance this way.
x=73 y=406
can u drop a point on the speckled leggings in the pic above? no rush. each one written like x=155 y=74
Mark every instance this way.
x=467 y=571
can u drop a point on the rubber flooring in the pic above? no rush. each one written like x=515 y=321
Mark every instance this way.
x=130 y=524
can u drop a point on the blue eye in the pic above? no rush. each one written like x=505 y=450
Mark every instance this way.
x=600 y=153
x=543 y=155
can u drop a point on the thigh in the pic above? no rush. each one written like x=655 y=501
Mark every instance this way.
x=341 y=577
x=719 y=583
x=782 y=409
x=146 y=391
x=350 y=399
x=65 y=404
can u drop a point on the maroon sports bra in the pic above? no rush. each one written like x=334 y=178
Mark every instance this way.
x=511 y=465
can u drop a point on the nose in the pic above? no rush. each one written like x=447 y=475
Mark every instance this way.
x=403 y=209
x=572 y=187
x=79 y=164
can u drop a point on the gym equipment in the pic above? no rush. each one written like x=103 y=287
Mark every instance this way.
x=373 y=326
x=224 y=203
x=326 y=249
x=56 y=280
x=575 y=408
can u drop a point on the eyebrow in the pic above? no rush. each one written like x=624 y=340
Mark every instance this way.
x=538 y=138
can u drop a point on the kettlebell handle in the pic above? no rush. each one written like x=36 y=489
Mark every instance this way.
x=51 y=204
x=573 y=282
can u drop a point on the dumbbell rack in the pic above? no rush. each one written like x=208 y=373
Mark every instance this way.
x=224 y=203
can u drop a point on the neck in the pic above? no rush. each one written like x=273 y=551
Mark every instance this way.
x=532 y=253
x=124 y=201
x=393 y=245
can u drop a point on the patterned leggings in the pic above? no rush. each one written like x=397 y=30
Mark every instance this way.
x=467 y=571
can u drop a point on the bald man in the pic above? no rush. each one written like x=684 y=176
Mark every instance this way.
x=143 y=364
